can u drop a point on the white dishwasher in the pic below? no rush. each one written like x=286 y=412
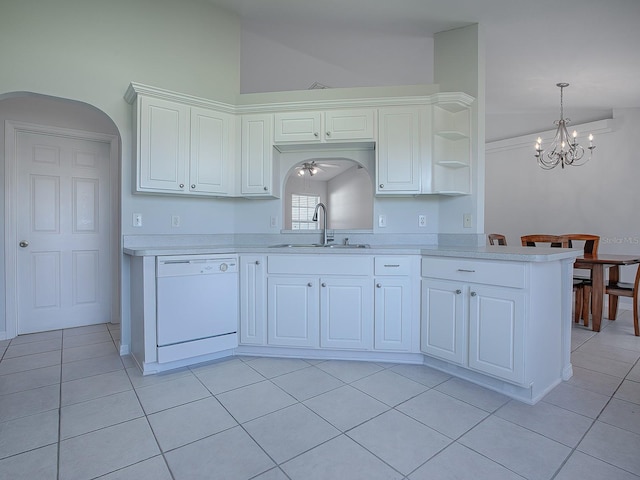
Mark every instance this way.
x=197 y=305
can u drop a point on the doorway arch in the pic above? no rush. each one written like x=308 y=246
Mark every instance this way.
x=26 y=108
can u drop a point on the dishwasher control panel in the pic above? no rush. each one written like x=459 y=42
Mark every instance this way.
x=180 y=265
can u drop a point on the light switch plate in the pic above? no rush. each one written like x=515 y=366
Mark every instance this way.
x=137 y=219
x=382 y=221
x=466 y=220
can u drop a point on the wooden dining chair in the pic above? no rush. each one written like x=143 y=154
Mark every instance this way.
x=580 y=307
x=617 y=289
x=581 y=283
x=497 y=239
x=553 y=240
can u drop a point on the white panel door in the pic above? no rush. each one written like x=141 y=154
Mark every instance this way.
x=496 y=332
x=443 y=318
x=163 y=146
x=63 y=261
x=211 y=156
x=346 y=314
x=257 y=155
x=398 y=155
x=393 y=313
x=292 y=316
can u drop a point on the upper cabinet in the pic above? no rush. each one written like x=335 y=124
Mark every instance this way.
x=451 y=161
x=260 y=177
x=181 y=148
x=399 y=154
x=347 y=125
x=191 y=146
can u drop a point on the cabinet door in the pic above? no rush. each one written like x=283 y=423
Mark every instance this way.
x=163 y=146
x=297 y=127
x=253 y=300
x=346 y=314
x=496 y=332
x=442 y=325
x=292 y=316
x=392 y=313
x=211 y=156
x=257 y=155
x=343 y=125
x=398 y=154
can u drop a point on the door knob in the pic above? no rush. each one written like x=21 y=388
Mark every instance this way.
x=23 y=243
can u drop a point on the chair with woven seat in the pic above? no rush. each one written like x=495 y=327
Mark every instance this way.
x=497 y=239
x=617 y=289
x=590 y=247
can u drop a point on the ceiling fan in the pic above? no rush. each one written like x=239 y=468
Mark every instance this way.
x=311 y=168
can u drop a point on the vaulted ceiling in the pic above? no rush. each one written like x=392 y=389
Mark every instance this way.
x=530 y=46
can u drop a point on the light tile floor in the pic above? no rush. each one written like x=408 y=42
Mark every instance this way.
x=72 y=409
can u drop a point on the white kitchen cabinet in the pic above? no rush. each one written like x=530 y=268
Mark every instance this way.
x=182 y=149
x=211 y=160
x=320 y=301
x=345 y=125
x=346 y=313
x=393 y=302
x=474 y=315
x=452 y=146
x=259 y=173
x=293 y=311
x=253 y=300
x=399 y=152
x=162 y=145
x=443 y=323
x=496 y=331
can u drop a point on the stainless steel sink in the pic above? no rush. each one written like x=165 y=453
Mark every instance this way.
x=314 y=245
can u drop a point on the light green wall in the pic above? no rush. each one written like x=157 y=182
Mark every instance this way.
x=90 y=50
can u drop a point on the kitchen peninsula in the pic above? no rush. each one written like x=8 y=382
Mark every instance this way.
x=496 y=316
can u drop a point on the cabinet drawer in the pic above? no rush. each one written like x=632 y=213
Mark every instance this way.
x=507 y=274
x=392 y=265
x=324 y=264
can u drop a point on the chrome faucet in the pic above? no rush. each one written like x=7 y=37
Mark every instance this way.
x=324 y=221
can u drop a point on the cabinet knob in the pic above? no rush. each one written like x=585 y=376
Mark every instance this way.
x=473 y=294
x=315 y=134
x=378 y=285
x=458 y=292
x=23 y=243
x=265 y=189
x=182 y=185
x=381 y=185
x=324 y=284
x=309 y=284
x=328 y=134
x=257 y=262
x=193 y=185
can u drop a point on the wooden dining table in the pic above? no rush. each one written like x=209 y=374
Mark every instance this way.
x=597 y=264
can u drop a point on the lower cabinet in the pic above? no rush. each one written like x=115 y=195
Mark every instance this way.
x=496 y=331
x=253 y=299
x=292 y=315
x=328 y=312
x=476 y=325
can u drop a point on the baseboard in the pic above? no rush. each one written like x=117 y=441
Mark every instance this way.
x=3 y=335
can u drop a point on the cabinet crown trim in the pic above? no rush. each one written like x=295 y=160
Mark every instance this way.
x=455 y=100
x=136 y=89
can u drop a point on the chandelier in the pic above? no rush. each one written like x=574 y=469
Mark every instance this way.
x=564 y=149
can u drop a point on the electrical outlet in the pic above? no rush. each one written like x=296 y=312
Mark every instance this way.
x=382 y=221
x=273 y=222
x=422 y=220
x=137 y=219
x=466 y=220
x=175 y=221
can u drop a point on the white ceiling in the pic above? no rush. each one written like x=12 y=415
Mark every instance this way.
x=530 y=46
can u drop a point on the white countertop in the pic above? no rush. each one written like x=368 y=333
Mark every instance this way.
x=505 y=253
